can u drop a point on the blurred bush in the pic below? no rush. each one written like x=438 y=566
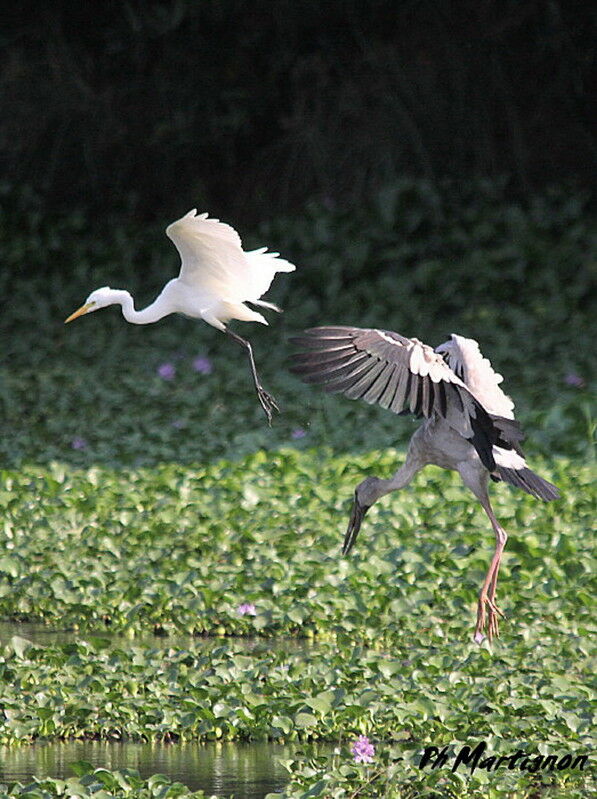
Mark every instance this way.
x=253 y=107
x=416 y=257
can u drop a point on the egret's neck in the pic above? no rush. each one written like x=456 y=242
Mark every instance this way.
x=146 y=316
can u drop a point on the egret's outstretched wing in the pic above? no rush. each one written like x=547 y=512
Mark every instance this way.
x=263 y=266
x=465 y=359
x=213 y=261
x=398 y=373
x=212 y=258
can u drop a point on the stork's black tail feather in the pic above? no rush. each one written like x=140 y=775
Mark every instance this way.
x=509 y=432
x=527 y=480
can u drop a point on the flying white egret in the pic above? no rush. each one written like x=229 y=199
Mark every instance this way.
x=469 y=422
x=217 y=277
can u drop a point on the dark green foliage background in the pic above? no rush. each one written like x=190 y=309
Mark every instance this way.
x=519 y=276
x=247 y=108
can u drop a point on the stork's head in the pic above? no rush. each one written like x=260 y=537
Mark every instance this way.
x=100 y=298
x=366 y=493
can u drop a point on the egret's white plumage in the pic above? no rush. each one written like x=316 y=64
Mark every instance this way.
x=216 y=280
x=469 y=421
x=221 y=275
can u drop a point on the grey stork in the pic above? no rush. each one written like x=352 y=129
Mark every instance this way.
x=468 y=426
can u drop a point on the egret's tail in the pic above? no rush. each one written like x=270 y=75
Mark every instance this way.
x=240 y=311
x=264 y=304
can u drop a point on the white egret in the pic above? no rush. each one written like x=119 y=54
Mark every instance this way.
x=469 y=422
x=217 y=277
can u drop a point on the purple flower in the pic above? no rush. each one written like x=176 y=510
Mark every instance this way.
x=246 y=609
x=167 y=371
x=78 y=443
x=362 y=750
x=298 y=433
x=203 y=365
x=178 y=424
x=575 y=380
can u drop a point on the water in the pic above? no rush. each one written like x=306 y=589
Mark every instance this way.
x=249 y=771
x=38 y=633
x=245 y=770
x=42 y=635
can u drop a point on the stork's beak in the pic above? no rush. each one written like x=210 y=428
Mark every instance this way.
x=82 y=310
x=354 y=524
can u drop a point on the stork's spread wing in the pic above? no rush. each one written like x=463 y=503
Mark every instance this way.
x=213 y=261
x=398 y=373
x=465 y=359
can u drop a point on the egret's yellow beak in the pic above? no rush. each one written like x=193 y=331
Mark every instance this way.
x=82 y=310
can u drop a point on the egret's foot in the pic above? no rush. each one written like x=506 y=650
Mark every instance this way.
x=487 y=619
x=268 y=403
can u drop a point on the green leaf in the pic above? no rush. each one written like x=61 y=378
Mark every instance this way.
x=20 y=646
x=305 y=720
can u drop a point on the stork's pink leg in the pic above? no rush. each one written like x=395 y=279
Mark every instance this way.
x=487 y=611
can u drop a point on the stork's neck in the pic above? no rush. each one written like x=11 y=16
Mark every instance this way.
x=146 y=316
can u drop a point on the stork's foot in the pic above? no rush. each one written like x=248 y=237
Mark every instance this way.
x=487 y=619
x=268 y=403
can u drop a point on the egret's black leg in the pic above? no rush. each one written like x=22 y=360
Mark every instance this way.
x=268 y=403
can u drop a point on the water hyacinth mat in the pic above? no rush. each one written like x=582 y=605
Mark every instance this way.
x=377 y=644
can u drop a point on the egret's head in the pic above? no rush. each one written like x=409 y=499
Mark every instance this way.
x=367 y=492
x=100 y=298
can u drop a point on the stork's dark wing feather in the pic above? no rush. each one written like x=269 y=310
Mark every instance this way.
x=398 y=373
x=510 y=434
